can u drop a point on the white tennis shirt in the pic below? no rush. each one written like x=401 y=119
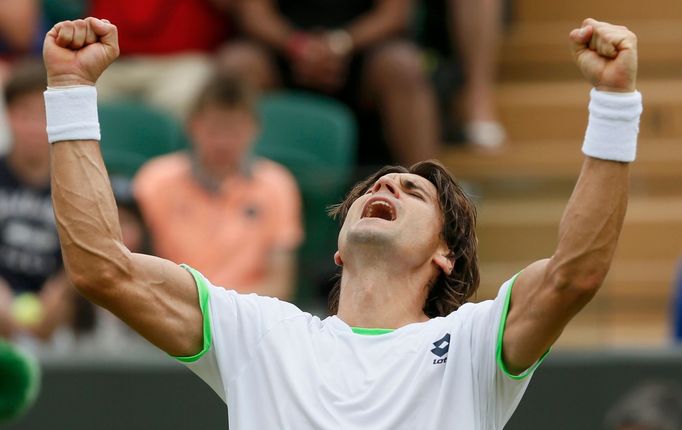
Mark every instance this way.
x=277 y=367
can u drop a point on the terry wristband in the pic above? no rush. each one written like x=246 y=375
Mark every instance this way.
x=613 y=126
x=71 y=113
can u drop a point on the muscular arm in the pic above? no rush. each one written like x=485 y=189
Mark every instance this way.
x=155 y=297
x=550 y=292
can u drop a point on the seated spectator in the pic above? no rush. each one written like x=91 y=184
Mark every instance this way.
x=217 y=208
x=352 y=50
x=20 y=27
x=34 y=292
x=475 y=28
x=166 y=49
x=652 y=406
x=20 y=34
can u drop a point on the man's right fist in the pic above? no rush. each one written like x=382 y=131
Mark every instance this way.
x=77 y=52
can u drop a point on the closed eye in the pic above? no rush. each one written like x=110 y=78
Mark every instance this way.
x=413 y=189
x=417 y=195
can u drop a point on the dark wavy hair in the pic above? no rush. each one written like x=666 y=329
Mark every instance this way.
x=446 y=292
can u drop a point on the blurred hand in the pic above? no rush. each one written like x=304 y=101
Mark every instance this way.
x=606 y=55
x=7 y=326
x=77 y=52
x=319 y=67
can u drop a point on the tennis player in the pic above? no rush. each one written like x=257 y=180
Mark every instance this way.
x=403 y=349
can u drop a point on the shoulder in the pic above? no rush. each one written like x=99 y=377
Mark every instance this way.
x=272 y=172
x=268 y=308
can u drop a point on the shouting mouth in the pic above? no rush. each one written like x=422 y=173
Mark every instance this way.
x=378 y=207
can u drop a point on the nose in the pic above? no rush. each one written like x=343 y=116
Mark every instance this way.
x=387 y=184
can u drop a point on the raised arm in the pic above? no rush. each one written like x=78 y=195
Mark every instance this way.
x=155 y=297
x=548 y=293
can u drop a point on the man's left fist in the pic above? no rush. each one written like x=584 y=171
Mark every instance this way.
x=606 y=54
x=77 y=52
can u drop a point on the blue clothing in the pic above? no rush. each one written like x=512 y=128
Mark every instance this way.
x=29 y=246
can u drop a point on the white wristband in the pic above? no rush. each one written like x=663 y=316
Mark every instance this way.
x=71 y=113
x=613 y=126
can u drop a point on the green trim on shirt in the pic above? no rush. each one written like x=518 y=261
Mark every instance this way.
x=371 y=331
x=500 y=337
x=202 y=289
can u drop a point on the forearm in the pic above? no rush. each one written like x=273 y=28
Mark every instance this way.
x=591 y=224
x=86 y=215
x=260 y=20
x=387 y=19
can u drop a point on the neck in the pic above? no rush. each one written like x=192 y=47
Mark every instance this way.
x=380 y=295
x=32 y=171
x=212 y=177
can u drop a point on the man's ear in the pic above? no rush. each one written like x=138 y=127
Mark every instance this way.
x=444 y=260
x=337 y=259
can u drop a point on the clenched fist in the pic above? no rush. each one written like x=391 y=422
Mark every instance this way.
x=77 y=52
x=606 y=54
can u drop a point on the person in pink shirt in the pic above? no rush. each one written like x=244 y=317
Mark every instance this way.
x=217 y=208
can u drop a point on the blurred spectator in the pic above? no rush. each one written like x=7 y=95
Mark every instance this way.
x=234 y=217
x=166 y=49
x=350 y=49
x=31 y=273
x=20 y=34
x=652 y=406
x=20 y=27
x=476 y=26
x=4 y=123
x=677 y=311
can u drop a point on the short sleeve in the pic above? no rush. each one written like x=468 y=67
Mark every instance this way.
x=499 y=390
x=234 y=324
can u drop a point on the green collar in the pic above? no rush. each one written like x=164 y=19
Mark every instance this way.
x=371 y=331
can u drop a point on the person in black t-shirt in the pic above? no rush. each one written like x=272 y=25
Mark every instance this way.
x=353 y=50
x=34 y=294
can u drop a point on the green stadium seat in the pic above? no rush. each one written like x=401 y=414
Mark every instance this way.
x=61 y=10
x=315 y=138
x=132 y=133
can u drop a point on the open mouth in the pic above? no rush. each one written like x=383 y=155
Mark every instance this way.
x=379 y=208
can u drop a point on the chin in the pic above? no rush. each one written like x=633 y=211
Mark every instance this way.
x=368 y=235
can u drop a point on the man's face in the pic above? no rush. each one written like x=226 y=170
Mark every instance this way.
x=400 y=212
x=26 y=116
x=222 y=136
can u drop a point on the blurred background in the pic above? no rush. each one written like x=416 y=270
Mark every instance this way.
x=229 y=126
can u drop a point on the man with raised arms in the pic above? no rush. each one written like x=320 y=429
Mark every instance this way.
x=403 y=348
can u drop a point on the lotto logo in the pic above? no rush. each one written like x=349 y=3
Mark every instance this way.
x=441 y=347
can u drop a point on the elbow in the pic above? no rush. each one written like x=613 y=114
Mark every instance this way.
x=577 y=281
x=98 y=279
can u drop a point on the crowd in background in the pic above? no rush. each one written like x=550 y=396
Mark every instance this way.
x=217 y=206
x=205 y=65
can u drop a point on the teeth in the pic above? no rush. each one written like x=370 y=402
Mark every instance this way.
x=382 y=208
